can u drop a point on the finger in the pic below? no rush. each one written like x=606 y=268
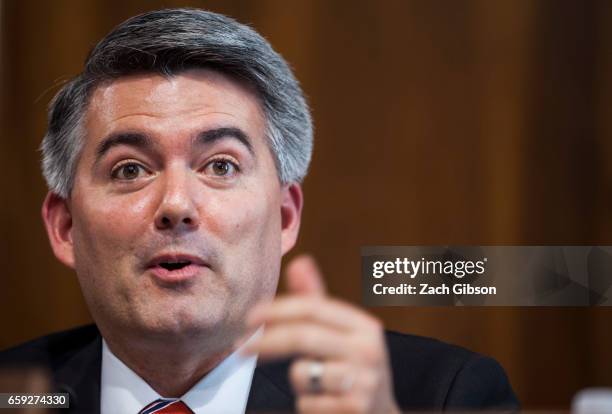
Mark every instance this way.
x=337 y=378
x=304 y=277
x=322 y=404
x=308 y=339
x=331 y=312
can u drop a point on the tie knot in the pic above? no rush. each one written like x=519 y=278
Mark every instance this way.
x=166 y=406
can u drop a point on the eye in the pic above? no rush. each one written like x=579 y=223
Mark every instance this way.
x=128 y=171
x=221 y=167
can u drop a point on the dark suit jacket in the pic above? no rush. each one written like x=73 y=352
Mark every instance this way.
x=427 y=374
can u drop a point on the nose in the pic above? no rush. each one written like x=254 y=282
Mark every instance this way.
x=177 y=209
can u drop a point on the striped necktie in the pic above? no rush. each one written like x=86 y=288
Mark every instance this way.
x=166 y=406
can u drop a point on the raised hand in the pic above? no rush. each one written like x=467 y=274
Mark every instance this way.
x=342 y=364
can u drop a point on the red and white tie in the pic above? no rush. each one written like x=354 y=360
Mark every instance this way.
x=166 y=406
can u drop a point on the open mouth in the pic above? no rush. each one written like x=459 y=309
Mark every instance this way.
x=175 y=265
x=172 y=268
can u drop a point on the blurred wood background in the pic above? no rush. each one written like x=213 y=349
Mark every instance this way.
x=462 y=122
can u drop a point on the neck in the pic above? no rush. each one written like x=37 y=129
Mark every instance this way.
x=188 y=361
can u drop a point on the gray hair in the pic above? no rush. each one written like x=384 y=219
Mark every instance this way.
x=168 y=42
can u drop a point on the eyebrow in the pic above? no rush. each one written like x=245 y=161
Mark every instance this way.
x=213 y=135
x=142 y=141
x=131 y=139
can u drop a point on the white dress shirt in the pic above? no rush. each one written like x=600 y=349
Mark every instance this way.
x=224 y=390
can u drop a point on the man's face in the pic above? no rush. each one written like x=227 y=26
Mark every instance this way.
x=177 y=222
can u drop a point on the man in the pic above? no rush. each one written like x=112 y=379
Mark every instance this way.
x=174 y=164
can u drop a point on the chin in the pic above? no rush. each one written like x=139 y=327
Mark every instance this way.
x=188 y=324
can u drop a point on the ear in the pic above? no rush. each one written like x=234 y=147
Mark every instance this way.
x=292 y=201
x=58 y=222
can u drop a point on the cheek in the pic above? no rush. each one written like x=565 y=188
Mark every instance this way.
x=108 y=227
x=237 y=216
x=247 y=224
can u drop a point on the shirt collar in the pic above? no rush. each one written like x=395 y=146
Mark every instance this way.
x=224 y=390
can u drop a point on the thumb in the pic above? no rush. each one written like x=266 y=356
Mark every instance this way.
x=304 y=277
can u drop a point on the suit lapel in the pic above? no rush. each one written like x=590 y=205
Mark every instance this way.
x=270 y=388
x=79 y=376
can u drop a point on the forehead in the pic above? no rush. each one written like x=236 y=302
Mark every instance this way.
x=193 y=99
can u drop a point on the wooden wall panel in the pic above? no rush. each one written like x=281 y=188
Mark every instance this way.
x=466 y=122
